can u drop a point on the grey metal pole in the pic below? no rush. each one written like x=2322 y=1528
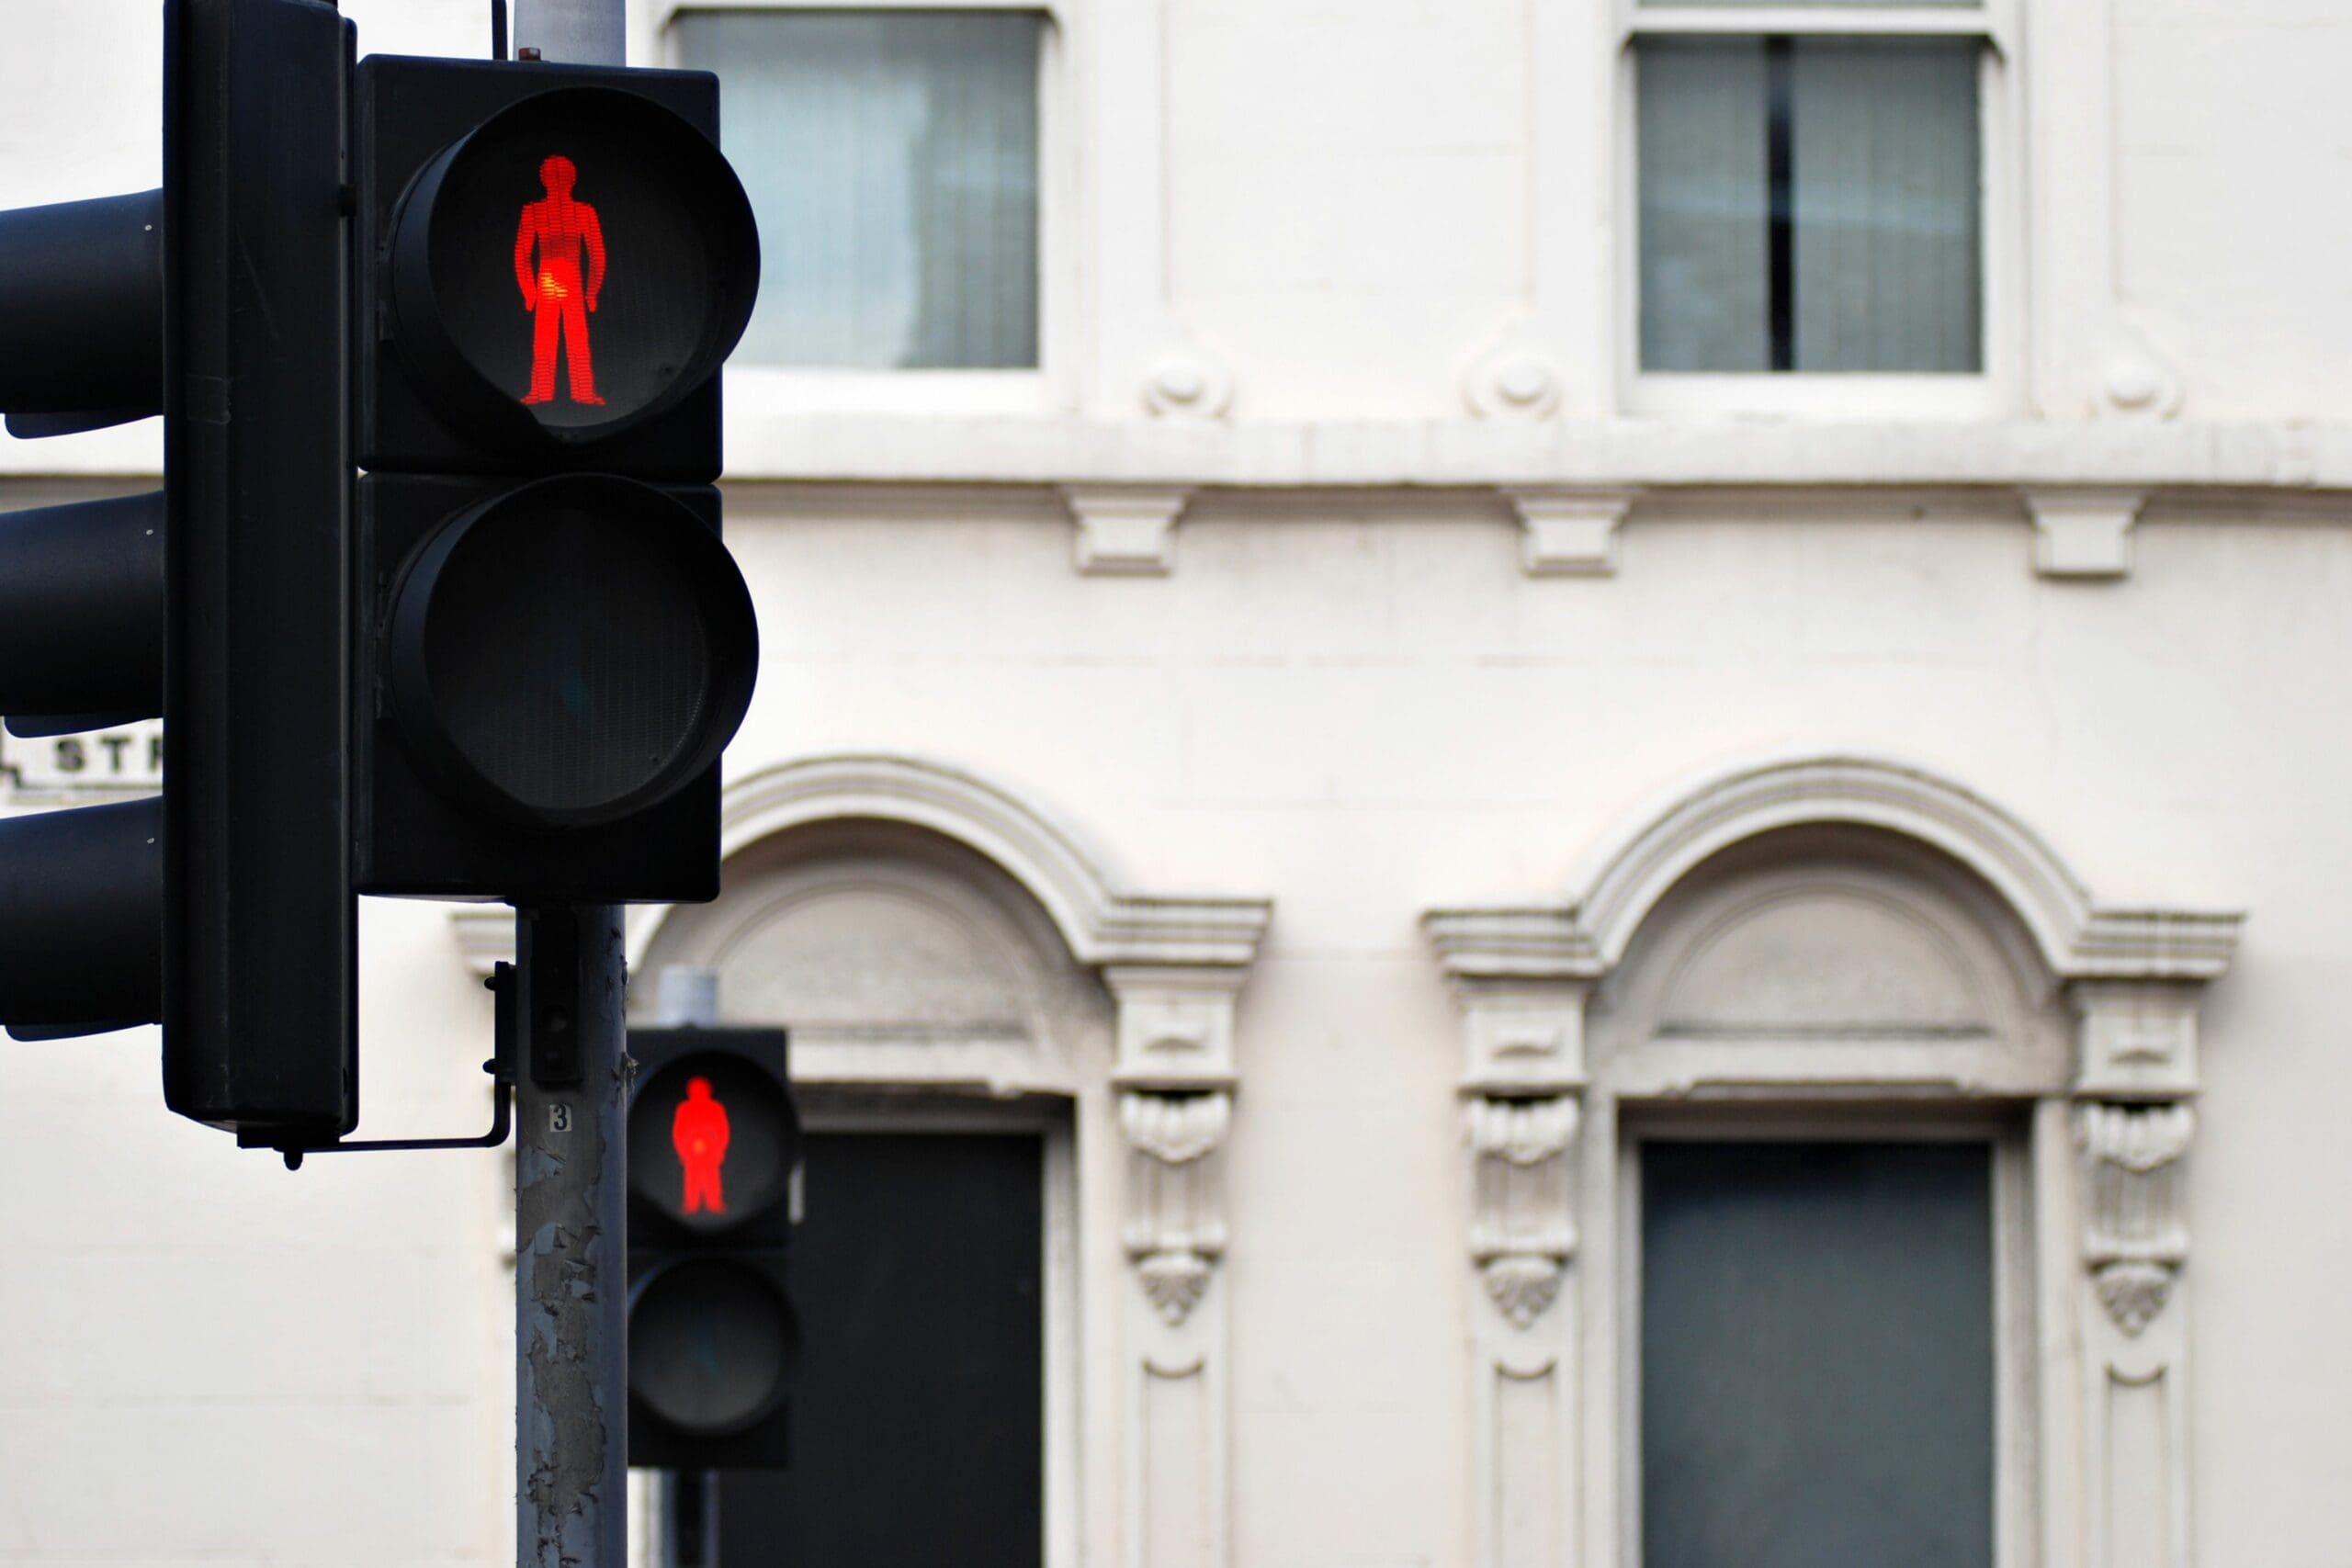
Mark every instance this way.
x=576 y=32
x=687 y=996
x=572 y=1242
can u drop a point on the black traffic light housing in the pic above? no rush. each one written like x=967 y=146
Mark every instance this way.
x=260 y=929
x=223 y=911
x=552 y=647
x=712 y=1340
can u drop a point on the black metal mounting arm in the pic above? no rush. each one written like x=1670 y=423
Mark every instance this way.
x=505 y=988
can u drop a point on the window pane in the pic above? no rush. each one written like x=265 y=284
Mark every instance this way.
x=1810 y=204
x=891 y=158
x=1705 y=262
x=1816 y=1355
x=1884 y=190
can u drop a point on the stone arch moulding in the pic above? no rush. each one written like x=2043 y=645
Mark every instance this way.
x=2078 y=939
x=2109 y=1146
x=1173 y=965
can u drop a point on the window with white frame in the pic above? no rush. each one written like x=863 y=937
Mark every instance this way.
x=1810 y=187
x=892 y=160
x=1801 y=1227
x=1814 y=1064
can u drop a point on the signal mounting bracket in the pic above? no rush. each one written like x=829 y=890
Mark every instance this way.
x=506 y=989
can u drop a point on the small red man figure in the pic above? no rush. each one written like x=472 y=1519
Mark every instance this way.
x=699 y=1133
x=555 y=292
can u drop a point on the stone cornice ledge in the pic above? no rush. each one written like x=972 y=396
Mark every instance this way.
x=1464 y=453
x=2039 y=454
x=954 y=449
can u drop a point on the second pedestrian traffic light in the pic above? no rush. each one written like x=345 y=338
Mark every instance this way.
x=713 y=1140
x=552 y=647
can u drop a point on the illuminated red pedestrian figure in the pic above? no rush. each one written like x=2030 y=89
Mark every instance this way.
x=560 y=291
x=699 y=1133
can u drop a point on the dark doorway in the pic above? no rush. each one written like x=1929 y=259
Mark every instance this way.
x=917 y=1434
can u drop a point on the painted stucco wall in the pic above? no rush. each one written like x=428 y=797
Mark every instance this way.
x=1343 y=690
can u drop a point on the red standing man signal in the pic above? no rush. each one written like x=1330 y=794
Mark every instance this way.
x=559 y=292
x=699 y=1133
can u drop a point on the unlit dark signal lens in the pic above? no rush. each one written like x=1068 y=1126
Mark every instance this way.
x=576 y=650
x=711 y=1346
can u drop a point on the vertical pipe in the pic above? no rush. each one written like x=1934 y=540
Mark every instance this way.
x=571 y=1243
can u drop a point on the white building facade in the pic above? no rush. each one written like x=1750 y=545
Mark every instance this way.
x=1618 y=718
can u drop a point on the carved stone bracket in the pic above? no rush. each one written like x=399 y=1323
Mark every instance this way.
x=2084 y=533
x=1522 y=1227
x=2135 y=1234
x=1127 y=531
x=1570 y=530
x=1175 y=1075
x=1175 y=1229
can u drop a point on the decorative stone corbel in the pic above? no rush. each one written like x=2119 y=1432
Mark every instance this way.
x=1570 y=530
x=2084 y=533
x=1175 y=1077
x=1175 y=1230
x=1523 y=1226
x=2135 y=1236
x=1127 y=530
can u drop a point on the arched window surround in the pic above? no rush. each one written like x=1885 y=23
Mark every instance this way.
x=1150 y=1379
x=2098 y=1070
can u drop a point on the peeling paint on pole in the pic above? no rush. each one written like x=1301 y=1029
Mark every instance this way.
x=572 y=1264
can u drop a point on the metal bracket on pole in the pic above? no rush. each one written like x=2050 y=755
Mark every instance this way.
x=502 y=986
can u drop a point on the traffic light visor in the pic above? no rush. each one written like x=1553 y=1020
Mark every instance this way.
x=575 y=265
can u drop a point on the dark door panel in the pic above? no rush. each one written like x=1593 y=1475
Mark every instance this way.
x=918 y=1434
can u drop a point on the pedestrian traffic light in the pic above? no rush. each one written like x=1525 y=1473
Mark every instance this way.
x=225 y=911
x=553 y=647
x=507 y=673
x=714 y=1145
